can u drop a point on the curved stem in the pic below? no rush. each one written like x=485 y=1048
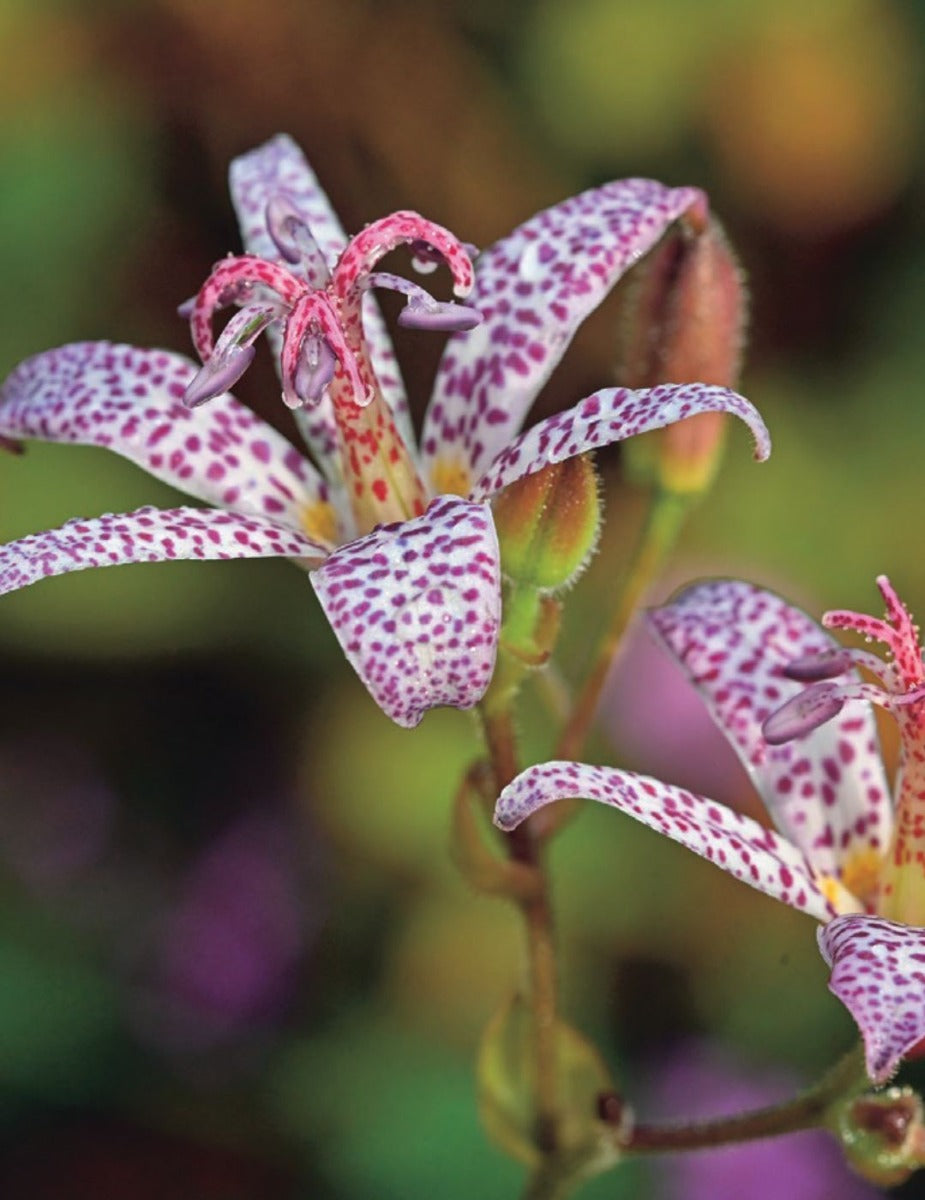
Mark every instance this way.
x=537 y=913
x=803 y=1111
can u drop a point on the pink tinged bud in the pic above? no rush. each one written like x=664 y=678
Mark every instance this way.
x=218 y=375
x=423 y=311
x=685 y=318
x=802 y=714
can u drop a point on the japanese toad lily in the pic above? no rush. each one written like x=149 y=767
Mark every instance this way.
x=843 y=853
x=399 y=542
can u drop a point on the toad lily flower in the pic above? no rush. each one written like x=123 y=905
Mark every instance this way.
x=400 y=542
x=843 y=853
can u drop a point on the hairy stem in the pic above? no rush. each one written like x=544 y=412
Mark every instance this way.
x=803 y=1111
x=537 y=914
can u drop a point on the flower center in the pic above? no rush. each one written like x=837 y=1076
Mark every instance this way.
x=324 y=349
x=898 y=889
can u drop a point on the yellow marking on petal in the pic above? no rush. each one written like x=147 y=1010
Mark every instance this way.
x=861 y=873
x=319 y=520
x=841 y=899
x=450 y=477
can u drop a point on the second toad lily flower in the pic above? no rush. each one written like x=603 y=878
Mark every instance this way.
x=400 y=542
x=843 y=852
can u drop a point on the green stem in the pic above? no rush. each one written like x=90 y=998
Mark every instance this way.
x=663 y=524
x=803 y=1111
x=559 y=1175
x=537 y=913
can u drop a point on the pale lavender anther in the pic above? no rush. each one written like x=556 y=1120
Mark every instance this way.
x=317 y=363
x=813 y=668
x=218 y=375
x=423 y=311
x=438 y=316
x=288 y=229
x=185 y=310
x=802 y=714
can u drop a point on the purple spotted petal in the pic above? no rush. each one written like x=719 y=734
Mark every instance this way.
x=611 y=415
x=742 y=847
x=416 y=606
x=878 y=973
x=827 y=792
x=533 y=290
x=278 y=168
x=131 y=401
x=147 y=535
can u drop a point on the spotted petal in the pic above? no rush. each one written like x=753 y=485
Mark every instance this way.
x=826 y=792
x=753 y=854
x=147 y=535
x=878 y=973
x=611 y=415
x=129 y=400
x=279 y=168
x=533 y=289
x=416 y=607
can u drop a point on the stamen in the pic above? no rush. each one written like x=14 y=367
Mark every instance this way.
x=423 y=311
x=232 y=280
x=218 y=375
x=802 y=714
x=293 y=238
x=233 y=354
x=814 y=667
x=287 y=228
x=315 y=371
x=313 y=317
x=822 y=701
x=438 y=316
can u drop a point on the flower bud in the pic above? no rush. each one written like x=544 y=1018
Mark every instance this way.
x=882 y=1135
x=547 y=525
x=684 y=322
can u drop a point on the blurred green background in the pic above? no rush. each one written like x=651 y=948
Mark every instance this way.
x=234 y=958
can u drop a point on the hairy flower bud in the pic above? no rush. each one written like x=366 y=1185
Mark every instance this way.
x=684 y=322
x=548 y=523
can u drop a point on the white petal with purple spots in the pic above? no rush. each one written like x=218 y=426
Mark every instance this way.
x=147 y=535
x=739 y=845
x=279 y=167
x=416 y=607
x=827 y=792
x=611 y=415
x=878 y=973
x=129 y=400
x=533 y=289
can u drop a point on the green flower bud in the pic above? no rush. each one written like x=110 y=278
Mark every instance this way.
x=548 y=524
